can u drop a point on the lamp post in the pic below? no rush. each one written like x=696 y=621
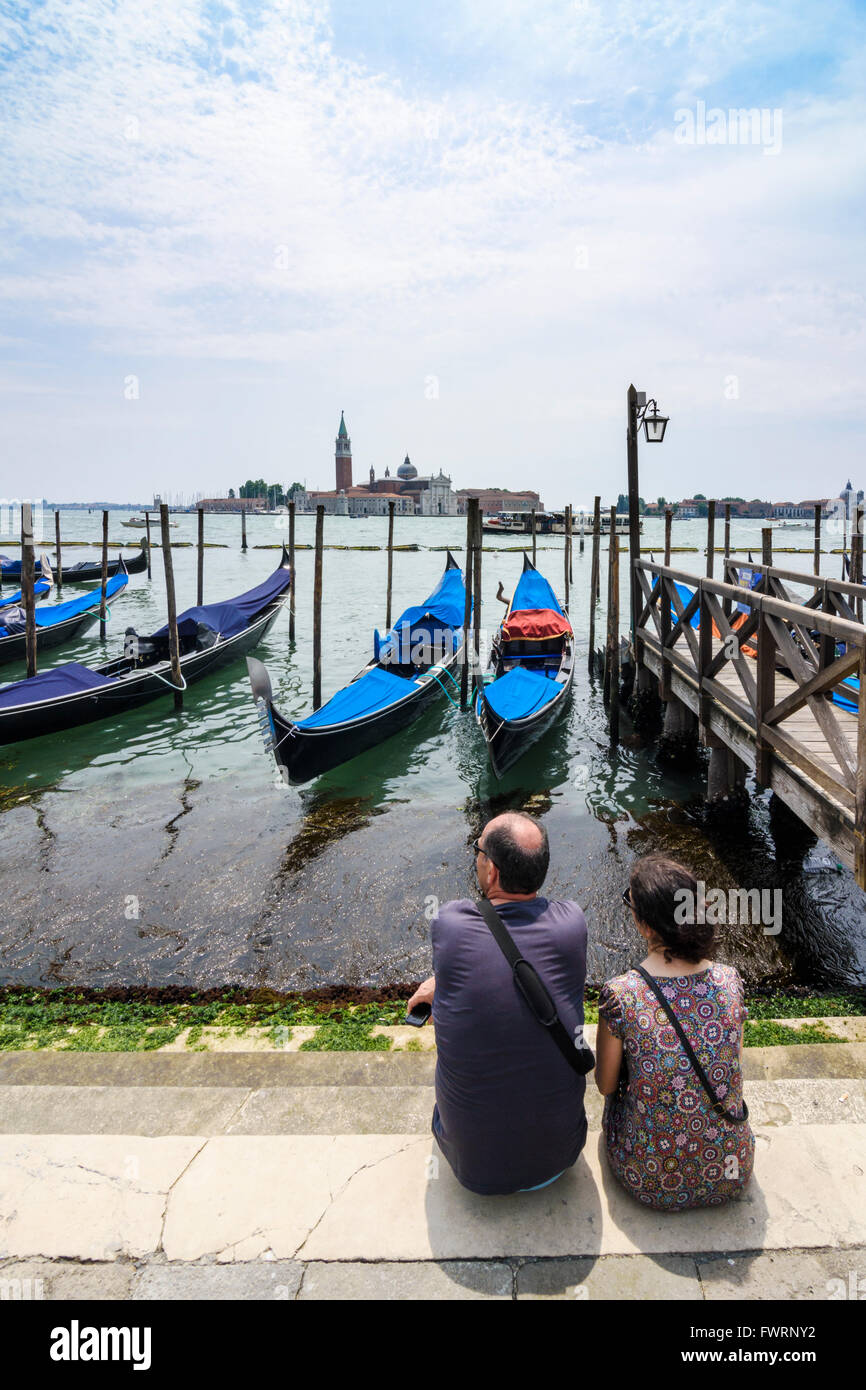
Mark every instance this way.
x=646 y=413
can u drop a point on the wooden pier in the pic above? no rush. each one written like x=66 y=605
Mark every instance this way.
x=759 y=683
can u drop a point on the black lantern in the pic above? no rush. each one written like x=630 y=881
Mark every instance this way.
x=654 y=425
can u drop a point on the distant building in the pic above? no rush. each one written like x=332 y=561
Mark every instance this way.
x=493 y=500
x=232 y=504
x=411 y=493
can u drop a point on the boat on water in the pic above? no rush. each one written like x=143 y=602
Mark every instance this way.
x=85 y=571
x=210 y=637
x=56 y=623
x=531 y=671
x=411 y=665
x=140 y=521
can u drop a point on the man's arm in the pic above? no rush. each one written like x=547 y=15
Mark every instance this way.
x=423 y=994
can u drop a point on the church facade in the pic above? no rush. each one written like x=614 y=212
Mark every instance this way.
x=411 y=493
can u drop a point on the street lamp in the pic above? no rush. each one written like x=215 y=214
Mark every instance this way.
x=646 y=413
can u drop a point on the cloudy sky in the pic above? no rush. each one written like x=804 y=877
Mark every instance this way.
x=468 y=224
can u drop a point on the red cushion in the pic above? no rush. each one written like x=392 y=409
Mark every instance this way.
x=536 y=624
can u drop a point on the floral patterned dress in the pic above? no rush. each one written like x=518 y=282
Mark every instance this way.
x=665 y=1142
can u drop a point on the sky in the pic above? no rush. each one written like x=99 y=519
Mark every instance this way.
x=469 y=226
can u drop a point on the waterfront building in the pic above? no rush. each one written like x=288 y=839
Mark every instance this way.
x=495 y=500
x=411 y=493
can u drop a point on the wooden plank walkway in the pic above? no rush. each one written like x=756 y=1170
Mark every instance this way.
x=772 y=708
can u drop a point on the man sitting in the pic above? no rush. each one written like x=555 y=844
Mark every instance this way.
x=509 y=1110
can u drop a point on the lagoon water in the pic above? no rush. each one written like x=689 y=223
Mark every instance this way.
x=163 y=849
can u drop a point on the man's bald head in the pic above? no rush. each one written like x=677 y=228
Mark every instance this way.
x=517 y=845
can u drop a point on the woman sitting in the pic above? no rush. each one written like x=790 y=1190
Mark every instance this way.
x=668 y=1143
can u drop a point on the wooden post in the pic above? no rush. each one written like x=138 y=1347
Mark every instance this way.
x=614 y=640
x=766 y=553
x=200 y=585
x=571 y=543
x=606 y=685
x=705 y=656
x=633 y=519
x=816 y=564
x=727 y=539
x=243 y=528
x=857 y=558
x=391 y=506
x=317 y=608
x=147 y=528
x=476 y=590
x=533 y=535
x=292 y=569
x=173 y=642
x=467 y=609
x=28 y=569
x=711 y=538
x=664 y=638
x=596 y=545
x=102 y=605
x=593 y=580
x=59 y=572
x=669 y=516
x=565 y=551
x=766 y=698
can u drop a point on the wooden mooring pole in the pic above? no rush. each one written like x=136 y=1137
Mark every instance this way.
x=173 y=641
x=565 y=552
x=59 y=573
x=606 y=686
x=102 y=603
x=711 y=538
x=147 y=529
x=533 y=535
x=570 y=534
x=613 y=639
x=28 y=569
x=200 y=576
x=292 y=570
x=727 y=538
x=669 y=516
x=593 y=581
x=766 y=551
x=317 y=608
x=467 y=608
x=243 y=528
x=816 y=563
x=391 y=506
x=476 y=590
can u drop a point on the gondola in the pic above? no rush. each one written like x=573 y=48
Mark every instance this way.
x=56 y=623
x=86 y=571
x=41 y=590
x=411 y=665
x=210 y=637
x=531 y=671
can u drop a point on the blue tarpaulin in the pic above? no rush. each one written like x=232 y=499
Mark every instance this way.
x=533 y=591
x=40 y=587
x=445 y=606
x=373 y=691
x=233 y=614
x=520 y=692
x=852 y=684
x=62 y=680
x=59 y=612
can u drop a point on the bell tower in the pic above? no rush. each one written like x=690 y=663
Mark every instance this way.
x=343 y=457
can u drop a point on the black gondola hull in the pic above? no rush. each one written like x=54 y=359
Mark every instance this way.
x=507 y=740
x=85 y=572
x=85 y=707
x=14 y=647
x=308 y=753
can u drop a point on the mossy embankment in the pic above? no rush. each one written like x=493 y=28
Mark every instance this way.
x=344 y=1018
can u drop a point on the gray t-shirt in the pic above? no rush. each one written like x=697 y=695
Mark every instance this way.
x=509 y=1109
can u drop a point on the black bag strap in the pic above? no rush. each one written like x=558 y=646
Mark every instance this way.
x=690 y=1053
x=535 y=992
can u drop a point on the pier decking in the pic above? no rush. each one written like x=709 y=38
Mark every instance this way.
x=760 y=683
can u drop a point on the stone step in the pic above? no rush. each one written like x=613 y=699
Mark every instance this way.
x=257 y=1070
x=347 y=1109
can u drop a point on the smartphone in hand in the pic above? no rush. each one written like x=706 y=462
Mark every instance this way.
x=419 y=1015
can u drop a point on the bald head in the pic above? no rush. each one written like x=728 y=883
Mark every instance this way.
x=518 y=847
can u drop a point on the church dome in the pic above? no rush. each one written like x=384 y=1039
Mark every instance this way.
x=407 y=470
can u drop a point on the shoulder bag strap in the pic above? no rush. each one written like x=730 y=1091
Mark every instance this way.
x=535 y=992
x=690 y=1053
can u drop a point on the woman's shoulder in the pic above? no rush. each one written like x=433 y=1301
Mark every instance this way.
x=620 y=985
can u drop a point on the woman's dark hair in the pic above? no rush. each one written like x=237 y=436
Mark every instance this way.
x=521 y=869
x=664 y=896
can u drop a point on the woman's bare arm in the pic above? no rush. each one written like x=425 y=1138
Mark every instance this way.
x=608 y=1059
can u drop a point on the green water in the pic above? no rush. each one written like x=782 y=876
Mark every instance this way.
x=241 y=878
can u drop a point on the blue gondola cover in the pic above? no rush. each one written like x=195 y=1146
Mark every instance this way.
x=374 y=691
x=233 y=615
x=51 y=685
x=520 y=693
x=533 y=591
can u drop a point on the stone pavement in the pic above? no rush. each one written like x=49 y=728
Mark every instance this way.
x=314 y=1175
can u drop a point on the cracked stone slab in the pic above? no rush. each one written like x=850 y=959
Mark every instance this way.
x=87 y=1197
x=263 y=1280
x=790 y=1275
x=143 y=1110
x=247 y=1197
x=659 y=1278
x=50 y=1280
x=428 y=1280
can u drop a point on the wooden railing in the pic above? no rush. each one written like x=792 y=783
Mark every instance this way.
x=795 y=643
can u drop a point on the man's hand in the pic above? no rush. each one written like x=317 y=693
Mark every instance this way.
x=423 y=994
